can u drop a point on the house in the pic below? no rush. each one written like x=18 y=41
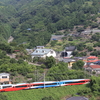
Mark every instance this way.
x=43 y=53
x=29 y=51
x=92 y=68
x=68 y=51
x=92 y=59
x=77 y=98
x=69 y=61
x=84 y=59
x=97 y=62
x=5 y=78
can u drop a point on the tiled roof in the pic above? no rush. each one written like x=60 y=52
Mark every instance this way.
x=92 y=60
x=92 y=66
x=91 y=57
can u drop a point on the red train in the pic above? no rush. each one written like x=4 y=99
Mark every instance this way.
x=23 y=86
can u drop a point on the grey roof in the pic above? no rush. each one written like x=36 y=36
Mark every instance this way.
x=77 y=98
x=70 y=48
x=80 y=57
x=41 y=52
x=68 y=60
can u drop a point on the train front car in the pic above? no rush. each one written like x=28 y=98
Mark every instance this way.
x=12 y=87
x=5 y=87
x=74 y=82
x=45 y=84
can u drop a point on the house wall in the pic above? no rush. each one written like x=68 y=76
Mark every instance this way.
x=97 y=70
x=69 y=53
x=51 y=54
x=70 y=64
x=4 y=78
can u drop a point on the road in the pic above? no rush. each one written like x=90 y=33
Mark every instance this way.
x=91 y=30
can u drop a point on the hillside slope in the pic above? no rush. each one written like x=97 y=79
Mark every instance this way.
x=33 y=21
x=38 y=94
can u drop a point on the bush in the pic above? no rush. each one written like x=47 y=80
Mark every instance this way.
x=48 y=98
x=3 y=97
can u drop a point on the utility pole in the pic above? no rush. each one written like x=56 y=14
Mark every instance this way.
x=44 y=80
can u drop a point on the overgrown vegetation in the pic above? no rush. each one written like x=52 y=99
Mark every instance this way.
x=33 y=21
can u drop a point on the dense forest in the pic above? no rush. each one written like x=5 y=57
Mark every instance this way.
x=33 y=21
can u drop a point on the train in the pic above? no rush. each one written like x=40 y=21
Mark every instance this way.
x=45 y=84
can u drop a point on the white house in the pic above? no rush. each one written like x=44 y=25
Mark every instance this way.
x=43 y=53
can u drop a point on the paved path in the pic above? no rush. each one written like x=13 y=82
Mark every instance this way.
x=92 y=30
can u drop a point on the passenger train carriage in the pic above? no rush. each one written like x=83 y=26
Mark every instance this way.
x=37 y=85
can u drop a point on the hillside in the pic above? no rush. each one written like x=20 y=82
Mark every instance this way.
x=33 y=21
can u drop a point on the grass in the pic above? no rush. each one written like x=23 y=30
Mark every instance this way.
x=37 y=94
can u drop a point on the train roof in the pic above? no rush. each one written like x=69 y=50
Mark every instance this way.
x=6 y=84
x=46 y=82
x=75 y=79
x=21 y=83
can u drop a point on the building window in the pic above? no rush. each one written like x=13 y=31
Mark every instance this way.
x=43 y=51
x=4 y=76
x=36 y=51
x=51 y=52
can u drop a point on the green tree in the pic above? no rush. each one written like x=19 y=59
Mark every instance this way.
x=20 y=61
x=3 y=97
x=13 y=60
x=50 y=61
x=78 y=65
x=48 y=98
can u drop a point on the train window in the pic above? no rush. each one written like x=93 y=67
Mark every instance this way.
x=45 y=84
x=74 y=82
x=6 y=87
x=20 y=86
x=51 y=84
x=38 y=85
